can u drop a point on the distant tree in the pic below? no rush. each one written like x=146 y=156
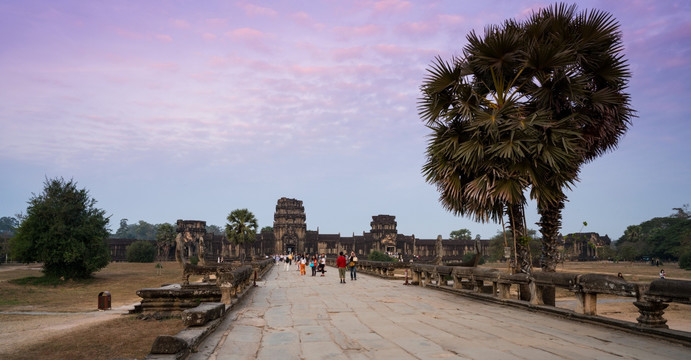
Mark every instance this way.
x=628 y=252
x=461 y=234
x=64 y=230
x=685 y=261
x=380 y=256
x=142 y=230
x=682 y=212
x=165 y=238
x=241 y=228
x=267 y=229
x=497 y=244
x=122 y=230
x=8 y=224
x=662 y=237
x=214 y=229
x=141 y=251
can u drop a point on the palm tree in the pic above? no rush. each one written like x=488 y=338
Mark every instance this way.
x=241 y=228
x=577 y=70
x=486 y=149
x=165 y=238
x=524 y=108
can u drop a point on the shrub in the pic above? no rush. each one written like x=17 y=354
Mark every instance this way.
x=379 y=256
x=685 y=261
x=194 y=260
x=468 y=257
x=141 y=251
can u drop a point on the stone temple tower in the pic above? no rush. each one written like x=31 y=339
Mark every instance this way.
x=289 y=226
x=384 y=232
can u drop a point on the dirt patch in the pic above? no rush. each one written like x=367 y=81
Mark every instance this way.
x=104 y=337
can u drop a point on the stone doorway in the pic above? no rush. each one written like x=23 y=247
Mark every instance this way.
x=290 y=249
x=390 y=249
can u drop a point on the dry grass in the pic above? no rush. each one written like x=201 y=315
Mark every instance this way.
x=81 y=332
x=124 y=337
x=120 y=279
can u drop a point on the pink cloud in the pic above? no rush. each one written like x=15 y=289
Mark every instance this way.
x=163 y=38
x=358 y=31
x=389 y=6
x=180 y=23
x=348 y=53
x=209 y=36
x=310 y=70
x=245 y=34
x=450 y=19
x=216 y=21
x=167 y=66
x=129 y=34
x=418 y=28
x=389 y=49
x=302 y=18
x=254 y=10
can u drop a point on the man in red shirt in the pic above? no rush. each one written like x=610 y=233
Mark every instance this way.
x=341 y=264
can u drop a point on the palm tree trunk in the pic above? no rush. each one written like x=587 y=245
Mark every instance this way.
x=550 y=223
x=516 y=216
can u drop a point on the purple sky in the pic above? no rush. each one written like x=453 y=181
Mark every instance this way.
x=170 y=110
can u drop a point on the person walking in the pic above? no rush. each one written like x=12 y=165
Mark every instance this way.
x=313 y=265
x=352 y=264
x=322 y=264
x=289 y=259
x=303 y=263
x=341 y=264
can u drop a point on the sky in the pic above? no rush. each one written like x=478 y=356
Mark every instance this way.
x=167 y=110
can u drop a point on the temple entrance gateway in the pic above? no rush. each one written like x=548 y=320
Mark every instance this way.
x=290 y=248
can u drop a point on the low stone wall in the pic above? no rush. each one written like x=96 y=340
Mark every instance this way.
x=203 y=318
x=494 y=285
x=383 y=269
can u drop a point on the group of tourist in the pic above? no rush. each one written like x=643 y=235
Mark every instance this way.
x=317 y=263
x=302 y=262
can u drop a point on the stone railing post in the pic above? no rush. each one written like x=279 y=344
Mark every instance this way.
x=651 y=314
x=587 y=303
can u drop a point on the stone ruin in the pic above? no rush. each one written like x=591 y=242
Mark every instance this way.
x=190 y=241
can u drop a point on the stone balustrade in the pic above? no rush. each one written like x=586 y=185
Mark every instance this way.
x=651 y=298
x=234 y=282
x=384 y=269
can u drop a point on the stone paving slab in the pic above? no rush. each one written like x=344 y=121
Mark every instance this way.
x=289 y=316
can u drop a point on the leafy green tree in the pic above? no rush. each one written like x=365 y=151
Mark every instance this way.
x=64 y=230
x=380 y=256
x=461 y=234
x=165 y=238
x=267 y=229
x=241 y=228
x=662 y=237
x=141 y=251
x=685 y=261
x=8 y=224
x=214 y=229
x=142 y=230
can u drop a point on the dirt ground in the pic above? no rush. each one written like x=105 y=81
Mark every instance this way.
x=33 y=315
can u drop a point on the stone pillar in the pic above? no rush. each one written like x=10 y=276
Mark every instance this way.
x=651 y=314
x=587 y=303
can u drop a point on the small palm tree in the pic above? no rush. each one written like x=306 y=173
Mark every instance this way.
x=165 y=238
x=241 y=228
